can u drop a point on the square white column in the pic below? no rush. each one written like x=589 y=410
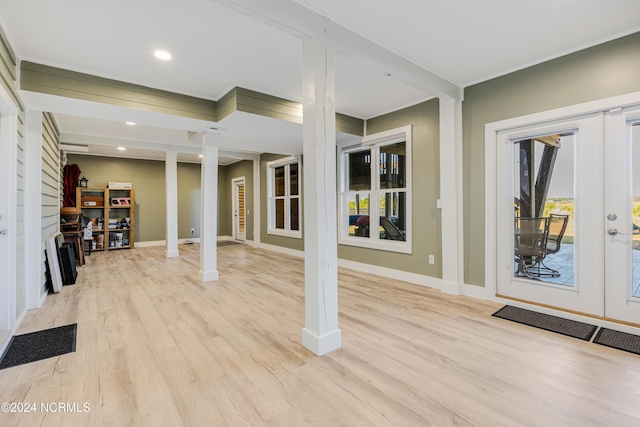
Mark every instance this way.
x=209 y=208
x=451 y=195
x=320 y=334
x=171 y=184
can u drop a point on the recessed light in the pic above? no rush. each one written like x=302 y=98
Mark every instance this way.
x=161 y=54
x=121 y=148
x=131 y=123
x=200 y=155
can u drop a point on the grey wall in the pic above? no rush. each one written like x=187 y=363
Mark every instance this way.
x=603 y=71
x=427 y=238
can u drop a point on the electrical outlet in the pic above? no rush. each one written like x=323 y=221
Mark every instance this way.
x=432 y=259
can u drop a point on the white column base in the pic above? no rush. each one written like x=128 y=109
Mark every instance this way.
x=323 y=344
x=173 y=254
x=209 y=276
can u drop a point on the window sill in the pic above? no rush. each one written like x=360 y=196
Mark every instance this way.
x=387 y=246
x=284 y=233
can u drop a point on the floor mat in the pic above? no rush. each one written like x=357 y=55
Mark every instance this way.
x=619 y=340
x=39 y=345
x=571 y=328
x=229 y=243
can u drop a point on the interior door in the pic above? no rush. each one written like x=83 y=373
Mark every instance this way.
x=238 y=187
x=5 y=157
x=555 y=168
x=622 y=214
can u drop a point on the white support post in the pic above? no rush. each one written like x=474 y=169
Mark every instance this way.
x=256 y=199
x=451 y=195
x=209 y=208
x=320 y=334
x=171 y=182
x=34 y=254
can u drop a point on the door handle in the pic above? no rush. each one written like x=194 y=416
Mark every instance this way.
x=613 y=232
x=3 y=232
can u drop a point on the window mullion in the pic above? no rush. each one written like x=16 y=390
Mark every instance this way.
x=374 y=202
x=287 y=198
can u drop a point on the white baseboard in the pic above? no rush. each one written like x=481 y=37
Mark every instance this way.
x=280 y=249
x=417 y=279
x=164 y=242
x=150 y=243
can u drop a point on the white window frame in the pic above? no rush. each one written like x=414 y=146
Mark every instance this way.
x=374 y=142
x=271 y=197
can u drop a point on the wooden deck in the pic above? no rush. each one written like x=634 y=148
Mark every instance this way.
x=157 y=347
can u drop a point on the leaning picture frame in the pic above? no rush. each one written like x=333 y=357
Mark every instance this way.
x=51 y=248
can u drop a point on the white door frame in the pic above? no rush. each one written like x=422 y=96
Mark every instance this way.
x=235 y=233
x=491 y=165
x=8 y=210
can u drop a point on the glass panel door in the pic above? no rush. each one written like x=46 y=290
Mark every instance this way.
x=548 y=224
x=622 y=215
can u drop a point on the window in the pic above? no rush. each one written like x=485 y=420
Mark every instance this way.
x=284 y=197
x=375 y=192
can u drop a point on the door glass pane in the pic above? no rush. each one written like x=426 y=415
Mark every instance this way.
x=359 y=214
x=241 y=208
x=635 y=209
x=393 y=166
x=544 y=189
x=360 y=171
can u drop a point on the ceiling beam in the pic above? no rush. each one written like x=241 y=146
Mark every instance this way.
x=303 y=23
x=550 y=140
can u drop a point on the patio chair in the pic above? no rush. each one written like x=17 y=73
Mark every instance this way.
x=530 y=245
x=557 y=227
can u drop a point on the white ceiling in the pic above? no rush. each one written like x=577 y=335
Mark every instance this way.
x=215 y=49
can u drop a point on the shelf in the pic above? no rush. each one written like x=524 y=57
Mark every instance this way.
x=105 y=211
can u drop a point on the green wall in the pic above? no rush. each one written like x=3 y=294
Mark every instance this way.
x=427 y=236
x=602 y=71
x=188 y=200
x=148 y=177
x=269 y=239
x=240 y=169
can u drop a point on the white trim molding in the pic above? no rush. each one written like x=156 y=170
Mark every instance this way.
x=372 y=143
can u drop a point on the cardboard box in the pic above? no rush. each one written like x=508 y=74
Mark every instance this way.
x=120 y=185
x=97 y=201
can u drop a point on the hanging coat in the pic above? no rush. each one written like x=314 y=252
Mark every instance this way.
x=71 y=175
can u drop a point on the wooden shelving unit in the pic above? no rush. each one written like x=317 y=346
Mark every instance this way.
x=112 y=212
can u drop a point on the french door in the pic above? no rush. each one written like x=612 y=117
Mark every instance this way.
x=578 y=177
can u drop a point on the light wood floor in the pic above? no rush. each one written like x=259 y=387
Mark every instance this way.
x=156 y=347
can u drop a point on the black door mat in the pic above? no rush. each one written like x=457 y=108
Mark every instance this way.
x=229 y=243
x=619 y=340
x=39 y=345
x=571 y=328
